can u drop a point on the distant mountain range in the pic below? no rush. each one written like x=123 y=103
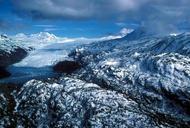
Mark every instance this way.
x=44 y=38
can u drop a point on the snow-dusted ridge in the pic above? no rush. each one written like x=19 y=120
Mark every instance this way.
x=11 y=51
x=8 y=44
x=140 y=80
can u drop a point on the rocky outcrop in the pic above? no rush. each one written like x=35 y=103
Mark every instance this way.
x=10 y=52
x=66 y=67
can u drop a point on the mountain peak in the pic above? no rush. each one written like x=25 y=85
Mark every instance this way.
x=139 y=33
x=3 y=36
x=125 y=31
x=43 y=36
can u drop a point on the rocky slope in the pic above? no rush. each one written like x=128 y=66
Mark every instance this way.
x=11 y=51
x=152 y=72
x=136 y=83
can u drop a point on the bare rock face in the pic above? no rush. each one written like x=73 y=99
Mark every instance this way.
x=67 y=67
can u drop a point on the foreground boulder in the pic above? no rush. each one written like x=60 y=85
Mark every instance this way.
x=66 y=67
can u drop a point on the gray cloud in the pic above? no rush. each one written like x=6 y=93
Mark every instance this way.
x=75 y=9
x=160 y=14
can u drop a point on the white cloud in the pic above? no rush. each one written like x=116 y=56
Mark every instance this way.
x=44 y=25
x=54 y=29
x=125 y=31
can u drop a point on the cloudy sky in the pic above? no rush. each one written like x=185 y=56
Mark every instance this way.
x=89 y=18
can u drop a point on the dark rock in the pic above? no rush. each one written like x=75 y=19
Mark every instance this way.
x=11 y=51
x=66 y=67
x=3 y=36
x=9 y=58
x=4 y=73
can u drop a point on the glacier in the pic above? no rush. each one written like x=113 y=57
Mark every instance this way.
x=43 y=51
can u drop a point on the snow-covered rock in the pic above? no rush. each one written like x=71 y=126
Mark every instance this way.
x=75 y=103
x=10 y=51
x=139 y=33
x=7 y=104
x=154 y=72
x=137 y=81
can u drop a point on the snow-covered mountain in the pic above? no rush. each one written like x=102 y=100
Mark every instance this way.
x=11 y=51
x=125 y=31
x=42 y=39
x=39 y=40
x=154 y=72
x=42 y=36
x=139 y=80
